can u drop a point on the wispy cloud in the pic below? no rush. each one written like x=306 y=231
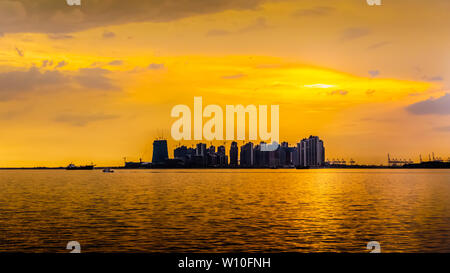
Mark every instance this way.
x=378 y=45
x=116 y=62
x=155 y=66
x=59 y=36
x=16 y=82
x=354 y=33
x=259 y=24
x=374 y=73
x=434 y=79
x=217 y=32
x=314 y=12
x=338 y=92
x=83 y=119
x=232 y=77
x=442 y=129
x=108 y=34
x=95 y=78
x=61 y=64
x=318 y=85
x=20 y=52
x=431 y=106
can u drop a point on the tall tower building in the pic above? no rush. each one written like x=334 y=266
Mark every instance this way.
x=160 y=153
x=201 y=149
x=311 y=152
x=247 y=155
x=234 y=150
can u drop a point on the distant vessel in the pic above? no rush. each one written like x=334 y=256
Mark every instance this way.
x=74 y=167
x=108 y=170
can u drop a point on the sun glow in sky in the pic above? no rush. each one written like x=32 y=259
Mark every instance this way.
x=97 y=82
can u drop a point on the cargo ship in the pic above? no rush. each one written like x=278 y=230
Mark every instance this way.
x=74 y=167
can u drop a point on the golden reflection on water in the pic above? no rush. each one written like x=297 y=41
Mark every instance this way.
x=225 y=210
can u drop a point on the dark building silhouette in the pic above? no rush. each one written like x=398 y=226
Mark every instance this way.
x=247 y=155
x=259 y=159
x=212 y=157
x=180 y=152
x=266 y=159
x=234 y=150
x=201 y=157
x=295 y=156
x=286 y=155
x=311 y=152
x=201 y=149
x=222 y=158
x=160 y=154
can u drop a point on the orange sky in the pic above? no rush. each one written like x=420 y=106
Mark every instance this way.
x=97 y=82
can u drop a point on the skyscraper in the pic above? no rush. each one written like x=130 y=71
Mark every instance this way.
x=285 y=155
x=234 y=150
x=222 y=158
x=160 y=154
x=201 y=149
x=247 y=155
x=311 y=152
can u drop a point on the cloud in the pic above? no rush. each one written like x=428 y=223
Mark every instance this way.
x=259 y=24
x=59 y=36
x=434 y=79
x=108 y=35
x=378 y=45
x=20 y=52
x=374 y=73
x=370 y=92
x=155 y=66
x=318 y=85
x=61 y=64
x=95 y=78
x=1 y=34
x=116 y=62
x=15 y=82
x=338 y=92
x=442 y=129
x=231 y=77
x=217 y=32
x=82 y=119
x=46 y=63
x=431 y=106
x=354 y=33
x=314 y=12
x=50 y=16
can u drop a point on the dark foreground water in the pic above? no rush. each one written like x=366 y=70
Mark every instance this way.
x=225 y=210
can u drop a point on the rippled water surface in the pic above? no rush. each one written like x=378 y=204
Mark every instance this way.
x=225 y=210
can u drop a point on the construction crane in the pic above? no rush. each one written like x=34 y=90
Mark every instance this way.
x=398 y=162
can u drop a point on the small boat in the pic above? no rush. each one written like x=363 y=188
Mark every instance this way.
x=108 y=170
x=74 y=167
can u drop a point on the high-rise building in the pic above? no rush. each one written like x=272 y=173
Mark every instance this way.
x=201 y=149
x=222 y=158
x=311 y=152
x=160 y=154
x=201 y=158
x=247 y=155
x=180 y=152
x=285 y=155
x=296 y=156
x=234 y=150
x=221 y=150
